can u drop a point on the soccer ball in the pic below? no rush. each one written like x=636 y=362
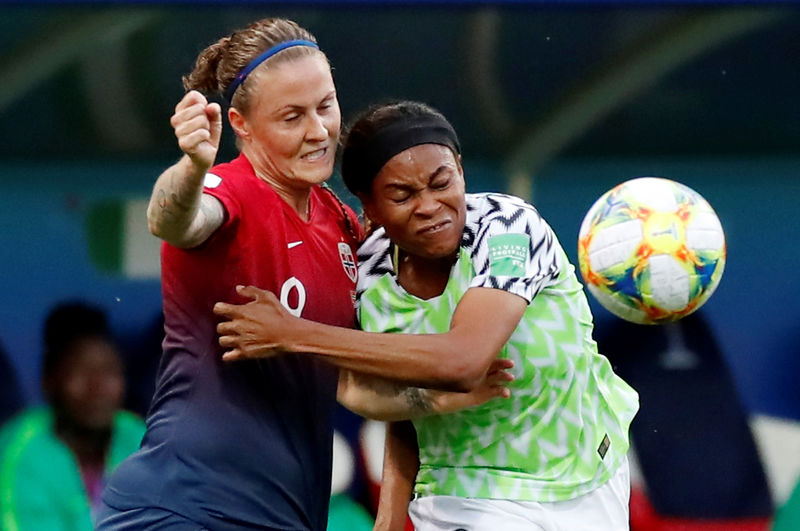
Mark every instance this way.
x=651 y=250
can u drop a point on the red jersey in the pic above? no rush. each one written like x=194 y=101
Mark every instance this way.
x=232 y=445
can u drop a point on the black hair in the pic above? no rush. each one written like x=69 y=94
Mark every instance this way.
x=366 y=150
x=67 y=323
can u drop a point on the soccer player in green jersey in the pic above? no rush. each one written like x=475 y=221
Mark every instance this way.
x=449 y=282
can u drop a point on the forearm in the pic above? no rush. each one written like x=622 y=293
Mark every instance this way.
x=456 y=360
x=400 y=466
x=420 y=360
x=178 y=213
x=381 y=399
x=388 y=400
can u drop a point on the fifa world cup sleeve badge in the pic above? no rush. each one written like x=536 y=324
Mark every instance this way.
x=508 y=254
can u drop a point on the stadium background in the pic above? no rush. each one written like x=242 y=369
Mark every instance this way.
x=554 y=101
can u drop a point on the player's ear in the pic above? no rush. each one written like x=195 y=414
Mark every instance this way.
x=238 y=123
x=367 y=201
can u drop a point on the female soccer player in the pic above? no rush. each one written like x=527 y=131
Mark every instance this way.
x=244 y=446
x=233 y=446
x=467 y=278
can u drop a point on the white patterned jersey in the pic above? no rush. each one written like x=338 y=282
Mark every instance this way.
x=564 y=431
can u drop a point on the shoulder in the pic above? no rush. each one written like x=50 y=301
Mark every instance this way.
x=128 y=423
x=374 y=258
x=28 y=429
x=491 y=213
x=492 y=205
x=231 y=178
x=29 y=420
x=232 y=169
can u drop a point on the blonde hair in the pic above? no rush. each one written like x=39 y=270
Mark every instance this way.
x=216 y=67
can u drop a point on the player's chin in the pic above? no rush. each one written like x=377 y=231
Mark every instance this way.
x=314 y=176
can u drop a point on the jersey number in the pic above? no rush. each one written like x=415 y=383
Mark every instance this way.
x=286 y=289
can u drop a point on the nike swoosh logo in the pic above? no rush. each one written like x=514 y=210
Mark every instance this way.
x=294 y=244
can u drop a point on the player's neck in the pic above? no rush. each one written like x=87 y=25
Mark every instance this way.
x=298 y=198
x=422 y=277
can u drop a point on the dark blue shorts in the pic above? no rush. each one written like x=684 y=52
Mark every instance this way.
x=143 y=519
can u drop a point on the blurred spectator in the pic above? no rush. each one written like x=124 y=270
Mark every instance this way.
x=10 y=393
x=346 y=514
x=53 y=459
x=697 y=455
x=788 y=517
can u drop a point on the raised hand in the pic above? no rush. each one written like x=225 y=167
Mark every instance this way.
x=198 y=127
x=251 y=329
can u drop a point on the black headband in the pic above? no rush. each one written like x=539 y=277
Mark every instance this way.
x=366 y=161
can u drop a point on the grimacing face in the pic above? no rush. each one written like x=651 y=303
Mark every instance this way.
x=292 y=130
x=418 y=197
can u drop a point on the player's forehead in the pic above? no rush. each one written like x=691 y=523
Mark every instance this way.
x=416 y=166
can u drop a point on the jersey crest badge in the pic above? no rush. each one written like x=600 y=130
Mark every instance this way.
x=348 y=261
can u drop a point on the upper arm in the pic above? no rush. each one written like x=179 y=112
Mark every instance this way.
x=515 y=250
x=514 y=256
x=180 y=212
x=483 y=322
x=210 y=217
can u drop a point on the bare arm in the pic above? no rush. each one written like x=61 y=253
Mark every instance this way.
x=456 y=360
x=400 y=466
x=387 y=400
x=179 y=212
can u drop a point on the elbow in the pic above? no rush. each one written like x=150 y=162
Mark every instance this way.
x=155 y=230
x=153 y=225
x=462 y=377
x=167 y=233
x=369 y=410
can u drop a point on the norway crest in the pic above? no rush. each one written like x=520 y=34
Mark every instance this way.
x=348 y=261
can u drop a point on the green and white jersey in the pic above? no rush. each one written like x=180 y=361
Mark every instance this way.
x=564 y=431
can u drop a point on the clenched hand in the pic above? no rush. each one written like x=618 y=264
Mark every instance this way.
x=253 y=329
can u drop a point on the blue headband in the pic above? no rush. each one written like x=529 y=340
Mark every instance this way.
x=242 y=75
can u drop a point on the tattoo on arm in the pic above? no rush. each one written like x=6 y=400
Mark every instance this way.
x=374 y=396
x=162 y=199
x=212 y=215
x=418 y=399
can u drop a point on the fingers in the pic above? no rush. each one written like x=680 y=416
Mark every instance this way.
x=191 y=124
x=192 y=105
x=232 y=355
x=226 y=328
x=198 y=126
x=500 y=364
x=254 y=293
x=499 y=378
x=499 y=368
x=224 y=309
x=232 y=311
x=193 y=97
x=214 y=114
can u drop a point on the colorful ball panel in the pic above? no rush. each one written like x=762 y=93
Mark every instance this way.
x=651 y=250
